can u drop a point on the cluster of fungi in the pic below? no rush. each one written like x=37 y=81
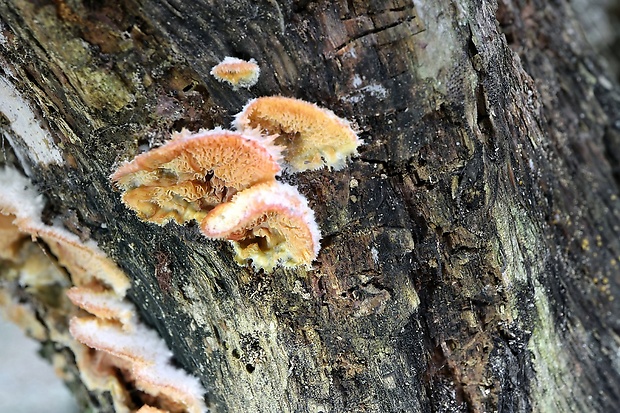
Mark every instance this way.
x=226 y=179
x=114 y=352
x=223 y=179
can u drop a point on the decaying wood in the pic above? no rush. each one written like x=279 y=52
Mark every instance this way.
x=470 y=253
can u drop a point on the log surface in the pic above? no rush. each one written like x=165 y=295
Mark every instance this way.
x=470 y=252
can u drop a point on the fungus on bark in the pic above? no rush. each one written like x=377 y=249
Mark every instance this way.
x=11 y=239
x=150 y=409
x=22 y=208
x=238 y=73
x=269 y=224
x=139 y=353
x=314 y=137
x=193 y=172
x=103 y=304
x=144 y=359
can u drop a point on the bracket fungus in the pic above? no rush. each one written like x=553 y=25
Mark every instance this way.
x=122 y=351
x=238 y=73
x=142 y=357
x=149 y=409
x=314 y=137
x=269 y=223
x=193 y=172
x=111 y=347
x=102 y=303
x=22 y=208
x=227 y=180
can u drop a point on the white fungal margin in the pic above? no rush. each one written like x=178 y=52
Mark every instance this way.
x=110 y=341
x=237 y=72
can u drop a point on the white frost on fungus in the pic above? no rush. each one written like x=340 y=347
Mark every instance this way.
x=120 y=340
x=193 y=172
x=40 y=145
x=149 y=409
x=141 y=346
x=238 y=73
x=84 y=260
x=103 y=304
x=19 y=198
x=313 y=137
x=145 y=357
x=269 y=224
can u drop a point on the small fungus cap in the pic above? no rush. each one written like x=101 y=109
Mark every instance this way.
x=314 y=137
x=103 y=304
x=270 y=223
x=191 y=173
x=238 y=73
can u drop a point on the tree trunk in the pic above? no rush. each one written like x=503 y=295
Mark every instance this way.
x=470 y=254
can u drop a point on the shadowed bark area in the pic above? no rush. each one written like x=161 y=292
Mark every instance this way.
x=470 y=252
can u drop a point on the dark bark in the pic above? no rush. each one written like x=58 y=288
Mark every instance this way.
x=470 y=253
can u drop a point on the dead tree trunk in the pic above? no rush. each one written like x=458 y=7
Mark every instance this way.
x=470 y=254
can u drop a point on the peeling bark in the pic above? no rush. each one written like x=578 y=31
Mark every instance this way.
x=470 y=253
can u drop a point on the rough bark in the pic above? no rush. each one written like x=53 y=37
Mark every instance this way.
x=470 y=253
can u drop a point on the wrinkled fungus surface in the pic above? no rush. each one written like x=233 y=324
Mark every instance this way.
x=102 y=303
x=268 y=224
x=143 y=358
x=227 y=180
x=314 y=137
x=193 y=172
x=113 y=351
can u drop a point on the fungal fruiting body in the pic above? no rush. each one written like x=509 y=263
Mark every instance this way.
x=103 y=304
x=149 y=409
x=238 y=73
x=86 y=263
x=10 y=238
x=192 y=173
x=111 y=347
x=144 y=359
x=122 y=344
x=227 y=180
x=314 y=137
x=22 y=207
x=269 y=223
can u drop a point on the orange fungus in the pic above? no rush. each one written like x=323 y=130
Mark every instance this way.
x=269 y=224
x=238 y=73
x=183 y=179
x=314 y=137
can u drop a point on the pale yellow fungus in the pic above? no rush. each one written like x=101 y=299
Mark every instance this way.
x=113 y=347
x=144 y=360
x=103 y=304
